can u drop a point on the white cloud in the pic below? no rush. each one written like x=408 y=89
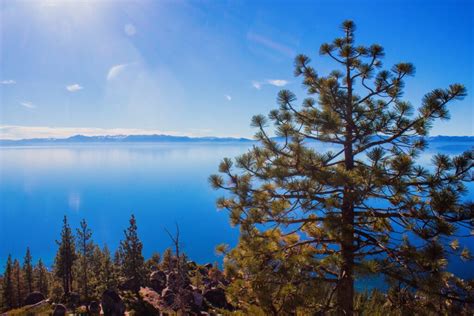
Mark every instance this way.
x=228 y=97
x=130 y=29
x=274 y=82
x=28 y=104
x=9 y=81
x=277 y=82
x=115 y=70
x=74 y=87
x=257 y=85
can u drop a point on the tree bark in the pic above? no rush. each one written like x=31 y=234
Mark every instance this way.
x=345 y=290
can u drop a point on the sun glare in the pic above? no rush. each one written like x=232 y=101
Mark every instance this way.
x=76 y=8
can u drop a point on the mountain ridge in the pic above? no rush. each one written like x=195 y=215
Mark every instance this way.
x=168 y=138
x=123 y=139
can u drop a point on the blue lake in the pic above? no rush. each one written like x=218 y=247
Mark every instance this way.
x=163 y=184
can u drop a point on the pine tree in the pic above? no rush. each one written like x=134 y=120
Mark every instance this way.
x=28 y=271
x=168 y=258
x=85 y=248
x=109 y=271
x=65 y=257
x=118 y=260
x=133 y=263
x=18 y=283
x=363 y=206
x=42 y=279
x=153 y=262
x=8 y=295
x=96 y=264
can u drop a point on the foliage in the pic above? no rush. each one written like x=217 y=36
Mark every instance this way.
x=28 y=271
x=18 y=290
x=85 y=247
x=153 y=262
x=43 y=309
x=42 y=278
x=133 y=263
x=364 y=206
x=8 y=300
x=65 y=257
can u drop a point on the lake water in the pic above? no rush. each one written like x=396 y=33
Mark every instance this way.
x=163 y=184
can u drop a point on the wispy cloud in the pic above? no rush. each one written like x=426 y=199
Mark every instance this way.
x=74 y=87
x=115 y=70
x=228 y=97
x=274 y=82
x=257 y=85
x=277 y=82
x=28 y=105
x=9 y=81
x=130 y=29
x=270 y=44
x=25 y=132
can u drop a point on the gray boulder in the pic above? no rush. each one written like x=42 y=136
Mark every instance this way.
x=168 y=297
x=94 y=308
x=34 y=298
x=112 y=304
x=216 y=298
x=158 y=281
x=59 y=310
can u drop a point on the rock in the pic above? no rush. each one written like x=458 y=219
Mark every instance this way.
x=198 y=298
x=208 y=266
x=34 y=297
x=172 y=280
x=168 y=297
x=94 y=308
x=207 y=283
x=150 y=297
x=216 y=298
x=112 y=304
x=158 y=281
x=59 y=310
x=185 y=298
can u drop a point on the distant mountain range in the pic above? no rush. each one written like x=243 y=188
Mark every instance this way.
x=169 y=139
x=122 y=139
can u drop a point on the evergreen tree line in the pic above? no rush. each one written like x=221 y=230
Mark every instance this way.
x=82 y=269
x=20 y=279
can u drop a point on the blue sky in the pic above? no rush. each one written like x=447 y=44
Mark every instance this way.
x=204 y=67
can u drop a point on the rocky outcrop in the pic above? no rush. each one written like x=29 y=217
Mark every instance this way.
x=34 y=298
x=158 y=281
x=94 y=308
x=216 y=298
x=59 y=310
x=173 y=290
x=151 y=297
x=112 y=304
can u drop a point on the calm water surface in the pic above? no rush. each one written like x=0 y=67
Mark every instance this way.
x=161 y=183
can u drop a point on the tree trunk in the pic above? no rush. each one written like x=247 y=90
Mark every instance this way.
x=345 y=290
